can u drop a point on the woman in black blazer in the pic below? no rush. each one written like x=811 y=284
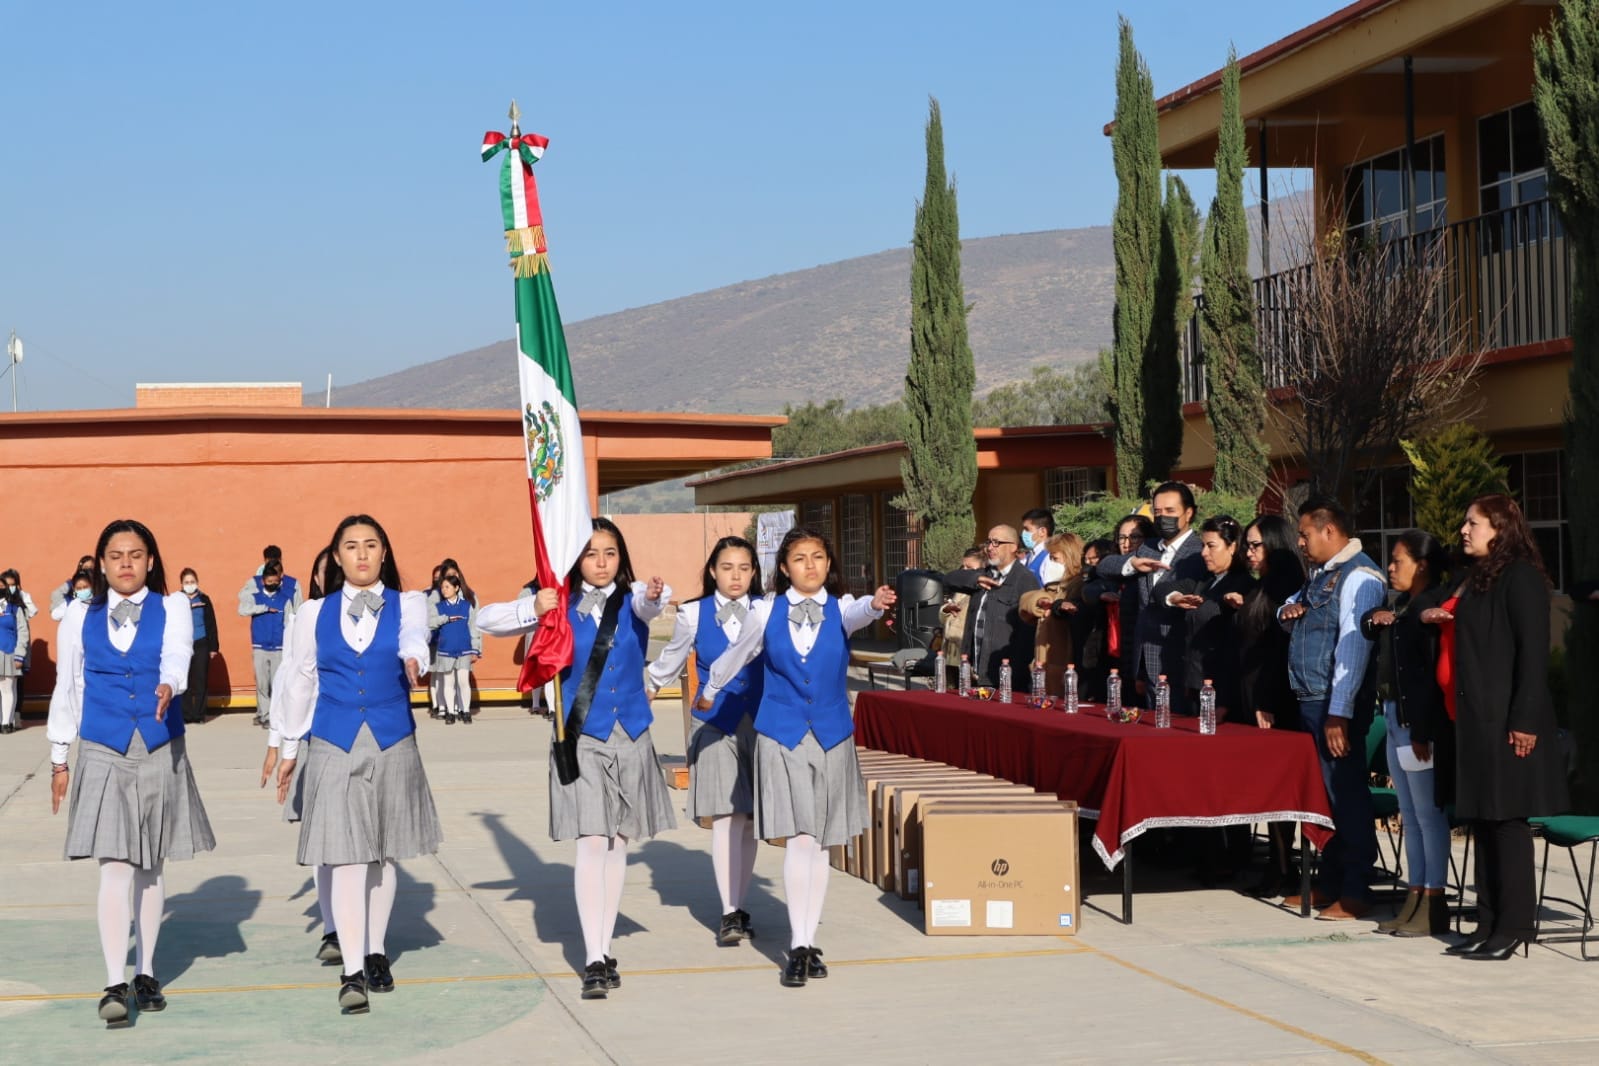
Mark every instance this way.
x=1212 y=649
x=1403 y=671
x=206 y=645
x=1507 y=765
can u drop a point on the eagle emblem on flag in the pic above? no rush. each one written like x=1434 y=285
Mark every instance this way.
x=546 y=450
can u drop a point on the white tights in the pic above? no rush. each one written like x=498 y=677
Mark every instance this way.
x=805 y=869
x=597 y=878
x=8 y=699
x=362 y=898
x=452 y=690
x=733 y=858
x=129 y=893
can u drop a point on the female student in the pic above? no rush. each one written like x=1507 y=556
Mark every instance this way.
x=721 y=750
x=206 y=646
x=13 y=654
x=134 y=803
x=347 y=675
x=808 y=785
x=618 y=794
x=457 y=644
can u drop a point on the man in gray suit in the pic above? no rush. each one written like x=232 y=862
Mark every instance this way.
x=1155 y=571
x=995 y=628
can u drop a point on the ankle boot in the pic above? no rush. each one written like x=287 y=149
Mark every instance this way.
x=1423 y=920
x=1407 y=911
x=1438 y=911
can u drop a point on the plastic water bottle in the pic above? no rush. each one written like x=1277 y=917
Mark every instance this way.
x=1071 y=688
x=1207 y=709
x=1162 y=703
x=940 y=673
x=1038 y=681
x=966 y=677
x=1004 y=681
x=1113 y=696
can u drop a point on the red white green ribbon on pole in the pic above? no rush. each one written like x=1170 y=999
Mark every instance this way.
x=519 y=197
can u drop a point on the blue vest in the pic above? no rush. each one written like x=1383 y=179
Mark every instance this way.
x=619 y=695
x=454 y=638
x=8 y=629
x=119 y=686
x=1037 y=566
x=266 y=629
x=742 y=696
x=197 y=616
x=288 y=586
x=361 y=688
x=806 y=693
x=1315 y=636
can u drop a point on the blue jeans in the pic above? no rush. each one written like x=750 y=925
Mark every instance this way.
x=1345 y=869
x=1426 y=824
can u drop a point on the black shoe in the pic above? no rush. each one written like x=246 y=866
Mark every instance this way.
x=330 y=950
x=595 y=981
x=798 y=968
x=147 y=992
x=114 y=1004
x=613 y=979
x=744 y=924
x=815 y=968
x=1499 y=948
x=378 y=978
x=449 y=719
x=732 y=930
x=352 y=993
x=1471 y=943
x=466 y=718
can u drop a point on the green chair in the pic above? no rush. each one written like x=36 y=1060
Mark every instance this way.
x=1384 y=800
x=1569 y=831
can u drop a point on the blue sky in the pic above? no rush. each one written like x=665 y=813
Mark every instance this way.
x=212 y=191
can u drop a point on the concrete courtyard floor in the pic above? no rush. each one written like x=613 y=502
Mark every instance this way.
x=485 y=945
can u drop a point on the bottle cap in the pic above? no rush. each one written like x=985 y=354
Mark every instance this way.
x=1163 y=677
x=1004 y=662
x=1207 y=680
x=1071 y=666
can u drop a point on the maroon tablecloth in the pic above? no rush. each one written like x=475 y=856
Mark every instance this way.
x=1129 y=777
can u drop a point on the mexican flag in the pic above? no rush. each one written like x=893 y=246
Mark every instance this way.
x=557 y=479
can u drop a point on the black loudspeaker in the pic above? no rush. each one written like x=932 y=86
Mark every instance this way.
x=917 y=618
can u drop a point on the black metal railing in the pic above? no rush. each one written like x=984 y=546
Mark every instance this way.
x=1505 y=277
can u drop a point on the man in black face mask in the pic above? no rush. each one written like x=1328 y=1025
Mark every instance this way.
x=1155 y=570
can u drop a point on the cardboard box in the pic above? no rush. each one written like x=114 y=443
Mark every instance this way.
x=1004 y=871
x=904 y=846
x=879 y=791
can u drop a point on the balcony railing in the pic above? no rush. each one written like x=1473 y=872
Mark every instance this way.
x=1506 y=279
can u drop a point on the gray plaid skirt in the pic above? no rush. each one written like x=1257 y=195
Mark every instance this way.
x=619 y=790
x=721 y=776
x=142 y=807
x=808 y=790
x=366 y=804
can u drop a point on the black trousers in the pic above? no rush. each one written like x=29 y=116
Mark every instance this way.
x=199 y=675
x=1507 y=892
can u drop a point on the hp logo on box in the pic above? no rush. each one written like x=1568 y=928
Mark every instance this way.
x=1000 y=867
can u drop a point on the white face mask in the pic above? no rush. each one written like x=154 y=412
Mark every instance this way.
x=190 y=588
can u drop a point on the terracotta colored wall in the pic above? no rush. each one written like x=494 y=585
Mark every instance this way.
x=214 y=493
x=675 y=546
x=218 y=395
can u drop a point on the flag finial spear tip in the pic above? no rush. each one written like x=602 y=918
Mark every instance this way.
x=516 y=117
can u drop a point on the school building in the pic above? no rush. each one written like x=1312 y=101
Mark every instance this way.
x=219 y=471
x=1413 y=118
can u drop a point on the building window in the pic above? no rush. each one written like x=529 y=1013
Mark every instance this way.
x=855 y=549
x=1538 y=483
x=1387 y=513
x=902 y=540
x=1072 y=484
x=1377 y=196
x=1511 y=159
x=818 y=515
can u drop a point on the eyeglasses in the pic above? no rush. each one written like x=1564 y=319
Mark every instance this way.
x=1255 y=545
x=1128 y=539
x=991 y=542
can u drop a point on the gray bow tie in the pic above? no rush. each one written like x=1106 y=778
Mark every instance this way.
x=364 y=602
x=591 y=599
x=125 y=612
x=732 y=609
x=805 y=612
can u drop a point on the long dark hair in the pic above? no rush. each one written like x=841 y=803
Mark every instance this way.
x=708 y=576
x=1283 y=575
x=14 y=598
x=1425 y=548
x=157 y=579
x=450 y=566
x=313 y=587
x=835 y=578
x=1232 y=534
x=624 y=562
x=388 y=571
x=1512 y=541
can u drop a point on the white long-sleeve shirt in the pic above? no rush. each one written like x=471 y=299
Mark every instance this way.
x=668 y=666
x=66 y=702
x=858 y=613
x=298 y=676
x=518 y=616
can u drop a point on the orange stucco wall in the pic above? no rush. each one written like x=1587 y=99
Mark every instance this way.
x=214 y=492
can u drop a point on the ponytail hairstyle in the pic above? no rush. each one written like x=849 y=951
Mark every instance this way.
x=1232 y=534
x=708 y=576
x=835 y=578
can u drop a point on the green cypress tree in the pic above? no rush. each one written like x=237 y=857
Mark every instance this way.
x=1566 y=92
x=1237 y=402
x=1174 y=305
x=940 y=470
x=1135 y=238
x=1448 y=470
